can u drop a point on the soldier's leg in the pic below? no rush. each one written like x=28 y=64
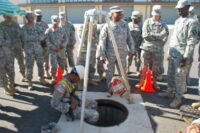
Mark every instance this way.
x=91 y=115
x=188 y=73
x=10 y=70
x=3 y=76
x=29 y=64
x=110 y=70
x=20 y=59
x=62 y=60
x=70 y=56
x=54 y=63
x=138 y=61
x=40 y=61
x=46 y=61
x=145 y=59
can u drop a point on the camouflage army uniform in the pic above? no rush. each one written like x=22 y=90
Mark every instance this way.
x=182 y=45
x=82 y=58
x=44 y=27
x=7 y=73
x=155 y=35
x=136 y=33
x=65 y=93
x=56 y=38
x=70 y=30
x=14 y=33
x=32 y=37
x=124 y=42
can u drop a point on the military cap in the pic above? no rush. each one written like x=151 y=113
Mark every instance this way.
x=38 y=12
x=54 y=19
x=116 y=9
x=156 y=10
x=182 y=3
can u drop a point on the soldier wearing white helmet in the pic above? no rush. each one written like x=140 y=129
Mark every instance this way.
x=44 y=26
x=67 y=99
x=136 y=33
x=155 y=34
x=181 y=51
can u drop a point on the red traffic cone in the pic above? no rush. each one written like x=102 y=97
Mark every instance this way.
x=142 y=78
x=59 y=76
x=147 y=86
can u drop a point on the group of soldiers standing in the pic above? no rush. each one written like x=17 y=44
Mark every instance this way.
x=145 y=42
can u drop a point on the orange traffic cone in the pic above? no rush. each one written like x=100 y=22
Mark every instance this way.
x=148 y=86
x=59 y=76
x=142 y=78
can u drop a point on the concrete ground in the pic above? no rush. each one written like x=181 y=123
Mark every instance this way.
x=29 y=110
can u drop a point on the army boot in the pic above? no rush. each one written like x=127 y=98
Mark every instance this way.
x=176 y=102
x=7 y=91
x=30 y=85
x=48 y=74
x=43 y=81
x=196 y=105
x=166 y=94
x=13 y=89
x=23 y=78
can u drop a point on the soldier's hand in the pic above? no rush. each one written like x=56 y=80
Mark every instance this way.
x=71 y=46
x=73 y=105
x=183 y=62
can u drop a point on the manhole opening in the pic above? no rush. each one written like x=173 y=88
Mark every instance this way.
x=111 y=113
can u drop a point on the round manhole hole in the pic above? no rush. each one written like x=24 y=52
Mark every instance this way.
x=111 y=113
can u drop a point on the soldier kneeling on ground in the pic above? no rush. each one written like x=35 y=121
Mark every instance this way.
x=67 y=99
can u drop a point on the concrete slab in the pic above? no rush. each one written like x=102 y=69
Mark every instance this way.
x=136 y=122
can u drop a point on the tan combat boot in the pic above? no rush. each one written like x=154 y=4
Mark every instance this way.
x=48 y=74
x=196 y=105
x=30 y=85
x=92 y=82
x=7 y=91
x=127 y=69
x=43 y=81
x=176 y=102
x=23 y=78
x=167 y=94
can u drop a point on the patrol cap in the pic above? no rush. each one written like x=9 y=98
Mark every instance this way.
x=191 y=9
x=116 y=9
x=135 y=15
x=38 y=12
x=30 y=14
x=54 y=19
x=62 y=15
x=79 y=70
x=156 y=10
x=182 y=3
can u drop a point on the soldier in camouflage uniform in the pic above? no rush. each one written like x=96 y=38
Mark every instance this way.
x=181 y=51
x=81 y=60
x=32 y=35
x=14 y=32
x=57 y=39
x=70 y=31
x=7 y=73
x=155 y=34
x=44 y=26
x=123 y=39
x=136 y=33
x=67 y=99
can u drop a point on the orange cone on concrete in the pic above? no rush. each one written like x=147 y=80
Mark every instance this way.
x=148 y=84
x=59 y=76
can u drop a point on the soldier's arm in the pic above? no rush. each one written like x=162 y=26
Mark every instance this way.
x=64 y=40
x=48 y=40
x=130 y=42
x=163 y=35
x=102 y=42
x=3 y=38
x=57 y=103
x=28 y=37
x=72 y=37
x=147 y=33
x=192 y=39
x=95 y=35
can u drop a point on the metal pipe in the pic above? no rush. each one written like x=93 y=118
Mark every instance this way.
x=85 y=84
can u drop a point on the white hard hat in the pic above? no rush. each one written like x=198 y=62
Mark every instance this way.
x=54 y=19
x=80 y=71
x=136 y=15
x=38 y=12
x=183 y=3
x=191 y=9
x=156 y=10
